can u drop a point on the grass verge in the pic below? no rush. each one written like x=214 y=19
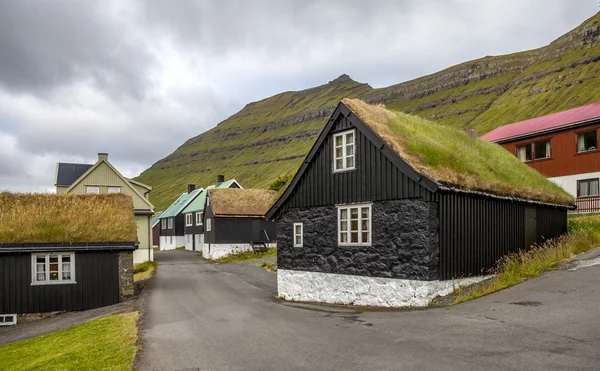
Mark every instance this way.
x=144 y=270
x=103 y=344
x=247 y=255
x=583 y=235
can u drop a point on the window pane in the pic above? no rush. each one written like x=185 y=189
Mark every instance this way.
x=54 y=259
x=53 y=276
x=339 y=140
x=365 y=237
x=350 y=150
x=41 y=277
x=298 y=228
x=40 y=259
x=66 y=267
x=339 y=152
x=587 y=141
x=344 y=214
x=542 y=149
x=66 y=275
x=353 y=237
x=40 y=267
x=339 y=164
x=583 y=188
x=354 y=225
x=343 y=225
x=364 y=225
x=365 y=213
x=594 y=187
x=66 y=258
x=343 y=237
x=350 y=161
x=354 y=213
x=350 y=138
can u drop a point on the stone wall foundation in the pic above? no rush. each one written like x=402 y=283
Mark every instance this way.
x=126 y=287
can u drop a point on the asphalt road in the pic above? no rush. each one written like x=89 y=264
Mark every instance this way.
x=200 y=316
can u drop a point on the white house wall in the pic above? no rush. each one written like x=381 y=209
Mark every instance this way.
x=220 y=250
x=569 y=182
x=167 y=244
x=141 y=255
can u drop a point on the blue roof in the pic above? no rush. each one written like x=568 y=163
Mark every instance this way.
x=183 y=200
x=156 y=218
x=198 y=204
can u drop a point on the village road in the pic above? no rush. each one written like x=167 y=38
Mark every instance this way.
x=201 y=316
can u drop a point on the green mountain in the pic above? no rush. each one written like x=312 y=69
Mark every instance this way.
x=269 y=138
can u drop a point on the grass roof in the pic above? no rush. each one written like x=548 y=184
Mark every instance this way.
x=453 y=158
x=51 y=218
x=241 y=202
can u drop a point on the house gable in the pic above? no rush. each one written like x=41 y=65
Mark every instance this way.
x=380 y=174
x=104 y=175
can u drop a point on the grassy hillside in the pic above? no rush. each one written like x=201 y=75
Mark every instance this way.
x=269 y=138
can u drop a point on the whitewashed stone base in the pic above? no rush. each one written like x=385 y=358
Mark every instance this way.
x=171 y=242
x=362 y=290
x=189 y=242
x=220 y=250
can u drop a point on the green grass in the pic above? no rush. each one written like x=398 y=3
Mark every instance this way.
x=583 y=235
x=247 y=255
x=145 y=270
x=103 y=344
x=180 y=248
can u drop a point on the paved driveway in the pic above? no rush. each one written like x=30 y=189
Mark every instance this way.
x=201 y=316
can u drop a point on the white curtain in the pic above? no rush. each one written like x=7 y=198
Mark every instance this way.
x=580 y=143
x=548 y=154
x=521 y=153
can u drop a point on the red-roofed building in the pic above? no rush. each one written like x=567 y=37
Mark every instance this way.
x=563 y=146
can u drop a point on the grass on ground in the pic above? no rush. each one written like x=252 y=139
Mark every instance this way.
x=144 y=270
x=103 y=344
x=247 y=255
x=584 y=235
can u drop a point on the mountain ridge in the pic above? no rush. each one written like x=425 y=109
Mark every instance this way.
x=269 y=138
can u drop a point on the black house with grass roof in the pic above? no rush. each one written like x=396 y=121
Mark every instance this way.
x=64 y=252
x=390 y=209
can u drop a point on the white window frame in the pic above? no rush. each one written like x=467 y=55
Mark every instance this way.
x=189 y=220
x=170 y=223
x=60 y=281
x=163 y=224
x=348 y=227
x=88 y=189
x=301 y=234
x=344 y=147
x=208 y=224
x=4 y=322
x=199 y=216
x=113 y=189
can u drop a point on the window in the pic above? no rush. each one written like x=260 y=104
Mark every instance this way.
x=113 y=190
x=587 y=187
x=53 y=268
x=199 y=216
x=343 y=151
x=170 y=223
x=208 y=225
x=189 y=220
x=298 y=235
x=354 y=225
x=587 y=141
x=163 y=224
x=524 y=152
x=92 y=189
x=8 y=319
x=541 y=149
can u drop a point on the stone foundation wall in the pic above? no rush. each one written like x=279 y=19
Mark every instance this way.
x=405 y=242
x=126 y=287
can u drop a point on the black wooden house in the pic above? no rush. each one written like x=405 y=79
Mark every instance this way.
x=362 y=224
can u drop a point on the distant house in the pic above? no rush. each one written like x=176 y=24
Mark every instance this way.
x=172 y=220
x=392 y=210
x=234 y=221
x=102 y=178
x=194 y=215
x=563 y=146
x=156 y=229
x=64 y=252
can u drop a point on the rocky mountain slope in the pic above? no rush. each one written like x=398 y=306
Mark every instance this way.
x=269 y=138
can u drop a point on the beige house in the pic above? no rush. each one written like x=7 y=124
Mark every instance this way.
x=102 y=177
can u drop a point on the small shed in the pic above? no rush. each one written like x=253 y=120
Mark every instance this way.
x=234 y=221
x=65 y=252
x=392 y=210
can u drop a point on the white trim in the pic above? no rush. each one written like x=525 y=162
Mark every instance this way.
x=363 y=290
x=47 y=281
x=199 y=217
x=3 y=321
x=189 y=220
x=344 y=147
x=92 y=189
x=301 y=235
x=348 y=225
x=208 y=224
x=170 y=222
x=163 y=224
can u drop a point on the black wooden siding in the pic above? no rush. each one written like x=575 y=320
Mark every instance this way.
x=96 y=274
x=376 y=178
x=475 y=232
x=178 y=226
x=238 y=230
x=194 y=229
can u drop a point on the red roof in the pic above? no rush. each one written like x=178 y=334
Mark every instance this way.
x=544 y=123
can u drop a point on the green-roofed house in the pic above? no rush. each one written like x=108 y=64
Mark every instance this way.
x=194 y=215
x=172 y=220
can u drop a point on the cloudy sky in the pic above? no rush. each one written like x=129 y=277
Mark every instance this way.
x=138 y=78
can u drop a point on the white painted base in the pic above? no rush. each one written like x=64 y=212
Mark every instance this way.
x=220 y=250
x=362 y=290
x=189 y=242
x=569 y=182
x=171 y=242
x=141 y=255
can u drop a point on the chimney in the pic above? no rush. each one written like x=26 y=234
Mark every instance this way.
x=471 y=132
x=102 y=156
x=191 y=188
x=220 y=179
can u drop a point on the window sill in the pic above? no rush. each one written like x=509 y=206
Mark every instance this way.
x=344 y=170
x=354 y=245
x=586 y=152
x=53 y=283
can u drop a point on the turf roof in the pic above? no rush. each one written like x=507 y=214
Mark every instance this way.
x=452 y=158
x=51 y=218
x=198 y=203
x=238 y=202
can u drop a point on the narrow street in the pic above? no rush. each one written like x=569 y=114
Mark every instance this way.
x=201 y=316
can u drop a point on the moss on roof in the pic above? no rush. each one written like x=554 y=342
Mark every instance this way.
x=241 y=202
x=453 y=158
x=51 y=218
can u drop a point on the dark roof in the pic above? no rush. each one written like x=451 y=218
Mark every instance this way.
x=69 y=173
